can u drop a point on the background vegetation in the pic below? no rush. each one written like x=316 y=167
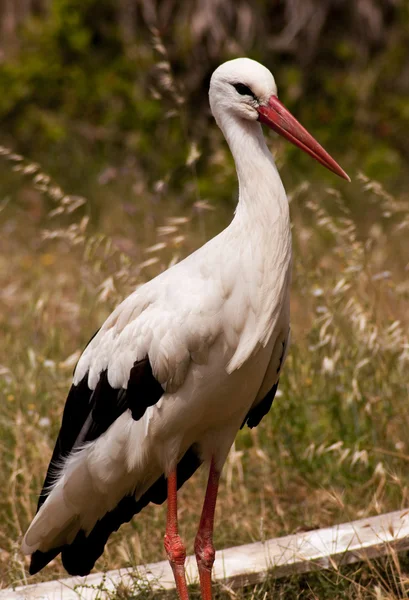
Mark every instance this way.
x=112 y=168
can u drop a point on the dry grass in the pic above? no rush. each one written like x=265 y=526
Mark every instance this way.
x=335 y=446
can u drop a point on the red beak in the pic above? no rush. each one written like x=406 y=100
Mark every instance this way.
x=277 y=117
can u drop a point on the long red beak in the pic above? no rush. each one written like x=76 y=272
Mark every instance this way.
x=277 y=117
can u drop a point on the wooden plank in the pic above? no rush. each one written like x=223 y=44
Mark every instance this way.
x=243 y=565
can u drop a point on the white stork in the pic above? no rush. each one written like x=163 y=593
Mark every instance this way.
x=184 y=361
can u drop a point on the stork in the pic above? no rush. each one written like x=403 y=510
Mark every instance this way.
x=184 y=362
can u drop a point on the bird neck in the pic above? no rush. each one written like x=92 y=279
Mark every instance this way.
x=259 y=239
x=262 y=198
x=259 y=235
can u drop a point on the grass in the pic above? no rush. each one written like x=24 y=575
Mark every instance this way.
x=379 y=580
x=335 y=446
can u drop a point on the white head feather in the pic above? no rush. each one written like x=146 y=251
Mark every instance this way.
x=226 y=100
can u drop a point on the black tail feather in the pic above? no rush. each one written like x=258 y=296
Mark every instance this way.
x=79 y=557
x=40 y=559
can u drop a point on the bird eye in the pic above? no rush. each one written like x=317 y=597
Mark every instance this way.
x=243 y=90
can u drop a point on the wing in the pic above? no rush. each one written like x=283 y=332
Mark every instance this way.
x=88 y=413
x=142 y=350
x=259 y=410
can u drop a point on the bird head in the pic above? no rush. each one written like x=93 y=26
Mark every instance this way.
x=243 y=88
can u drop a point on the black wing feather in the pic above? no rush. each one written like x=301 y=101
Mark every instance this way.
x=259 y=411
x=76 y=411
x=143 y=389
x=255 y=415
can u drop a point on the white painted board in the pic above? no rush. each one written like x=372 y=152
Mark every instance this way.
x=248 y=564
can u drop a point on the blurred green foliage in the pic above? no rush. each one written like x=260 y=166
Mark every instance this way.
x=77 y=85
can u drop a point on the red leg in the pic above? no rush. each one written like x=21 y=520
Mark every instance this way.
x=204 y=548
x=174 y=547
